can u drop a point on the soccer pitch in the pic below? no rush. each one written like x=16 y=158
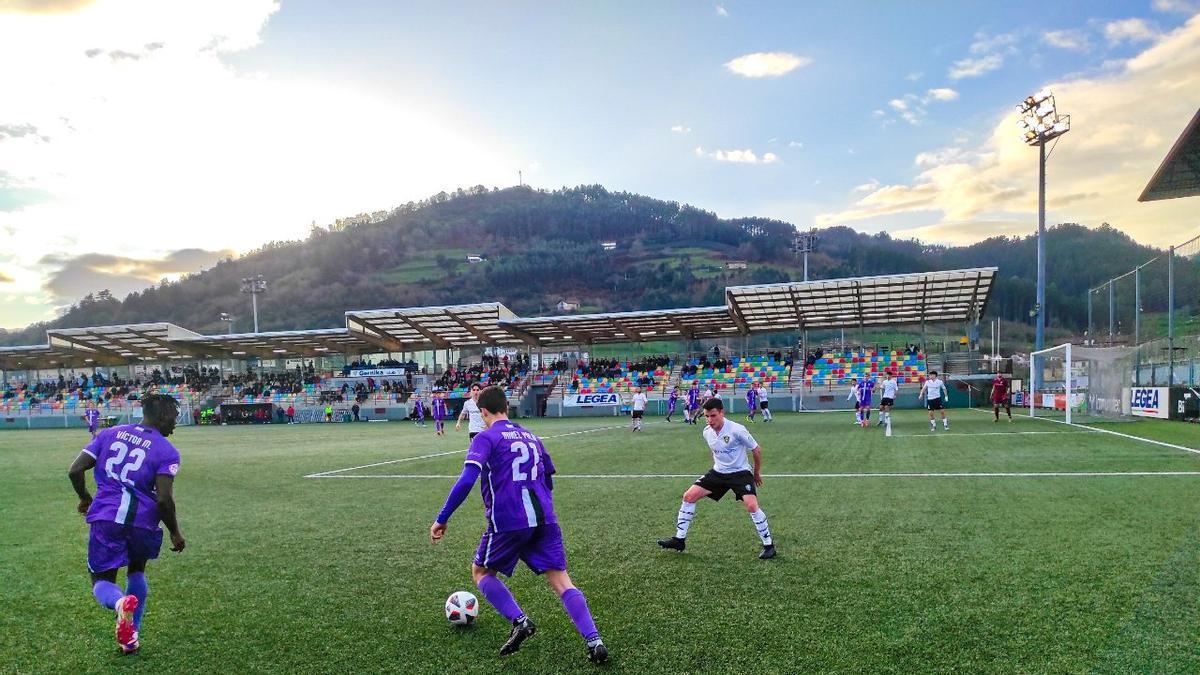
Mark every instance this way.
x=1027 y=546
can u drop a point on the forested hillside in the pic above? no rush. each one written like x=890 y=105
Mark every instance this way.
x=541 y=247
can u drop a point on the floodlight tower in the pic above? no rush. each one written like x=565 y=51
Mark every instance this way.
x=1039 y=124
x=805 y=243
x=229 y=319
x=254 y=286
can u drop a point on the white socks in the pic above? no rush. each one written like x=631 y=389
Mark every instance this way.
x=759 y=518
x=686 y=513
x=766 y=415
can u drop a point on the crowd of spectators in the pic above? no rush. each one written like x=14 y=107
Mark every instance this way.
x=367 y=364
x=112 y=387
x=501 y=371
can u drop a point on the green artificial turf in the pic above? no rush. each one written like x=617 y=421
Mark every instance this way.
x=290 y=574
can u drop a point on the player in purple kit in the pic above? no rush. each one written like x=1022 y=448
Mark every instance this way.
x=92 y=416
x=419 y=408
x=751 y=401
x=865 y=390
x=439 y=412
x=134 y=492
x=672 y=401
x=693 y=403
x=521 y=525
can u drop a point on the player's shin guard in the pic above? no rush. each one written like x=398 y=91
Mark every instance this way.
x=136 y=586
x=687 y=511
x=498 y=596
x=107 y=593
x=577 y=608
x=759 y=518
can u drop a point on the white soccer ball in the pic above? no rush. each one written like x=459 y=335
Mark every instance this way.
x=462 y=608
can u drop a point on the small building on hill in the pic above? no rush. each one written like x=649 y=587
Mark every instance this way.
x=735 y=265
x=568 y=305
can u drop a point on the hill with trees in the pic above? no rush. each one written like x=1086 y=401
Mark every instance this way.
x=539 y=247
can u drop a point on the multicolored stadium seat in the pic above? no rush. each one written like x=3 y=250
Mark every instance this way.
x=834 y=369
x=624 y=382
x=740 y=373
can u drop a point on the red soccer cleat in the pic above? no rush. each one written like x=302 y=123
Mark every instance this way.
x=127 y=637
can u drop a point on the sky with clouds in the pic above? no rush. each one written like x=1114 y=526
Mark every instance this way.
x=145 y=139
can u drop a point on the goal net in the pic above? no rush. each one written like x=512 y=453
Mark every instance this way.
x=1078 y=385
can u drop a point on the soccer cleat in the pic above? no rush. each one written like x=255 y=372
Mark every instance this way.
x=522 y=630
x=126 y=632
x=597 y=653
x=674 y=543
x=768 y=552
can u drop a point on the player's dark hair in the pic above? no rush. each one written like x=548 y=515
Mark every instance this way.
x=933 y=372
x=714 y=404
x=157 y=409
x=493 y=400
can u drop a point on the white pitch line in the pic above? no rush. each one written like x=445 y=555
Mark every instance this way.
x=992 y=474
x=987 y=433
x=1164 y=444
x=332 y=474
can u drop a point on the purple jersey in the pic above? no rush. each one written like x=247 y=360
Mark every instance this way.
x=93 y=418
x=693 y=397
x=751 y=397
x=513 y=483
x=128 y=459
x=439 y=408
x=419 y=409
x=672 y=400
x=865 y=389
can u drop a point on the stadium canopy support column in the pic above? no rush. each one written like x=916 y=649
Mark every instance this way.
x=1171 y=316
x=1112 y=319
x=1137 y=306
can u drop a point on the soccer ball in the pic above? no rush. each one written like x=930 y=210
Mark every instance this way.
x=462 y=608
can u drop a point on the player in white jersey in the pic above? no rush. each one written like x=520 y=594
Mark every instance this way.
x=890 y=387
x=638 y=410
x=935 y=394
x=764 y=402
x=470 y=411
x=729 y=443
x=852 y=395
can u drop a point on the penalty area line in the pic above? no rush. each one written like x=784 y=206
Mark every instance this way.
x=979 y=474
x=334 y=473
x=1131 y=437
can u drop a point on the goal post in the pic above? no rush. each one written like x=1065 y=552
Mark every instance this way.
x=1078 y=385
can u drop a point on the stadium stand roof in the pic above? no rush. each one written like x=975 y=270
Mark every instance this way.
x=657 y=324
x=446 y=326
x=128 y=342
x=45 y=357
x=952 y=295
x=1179 y=173
x=283 y=344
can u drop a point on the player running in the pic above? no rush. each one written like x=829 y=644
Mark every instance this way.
x=890 y=386
x=728 y=442
x=693 y=403
x=866 y=390
x=470 y=411
x=419 y=409
x=935 y=394
x=521 y=524
x=91 y=415
x=853 y=395
x=672 y=401
x=134 y=492
x=637 y=409
x=438 y=406
x=764 y=402
x=1000 y=397
x=751 y=401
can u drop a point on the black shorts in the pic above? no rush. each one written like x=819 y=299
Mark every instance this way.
x=763 y=404
x=887 y=402
x=935 y=403
x=471 y=435
x=717 y=483
x=637 y=414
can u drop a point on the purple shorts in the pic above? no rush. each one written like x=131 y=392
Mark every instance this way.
x=113 y=545
x=540 y=547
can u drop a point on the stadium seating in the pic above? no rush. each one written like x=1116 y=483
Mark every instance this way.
x=623 y=382
x=834 y=369
x=75 y=401
x=740 y=373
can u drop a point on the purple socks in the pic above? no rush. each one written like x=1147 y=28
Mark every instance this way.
x=498 y=596
x=577 y=608
x=107 y=593
x=136 y=586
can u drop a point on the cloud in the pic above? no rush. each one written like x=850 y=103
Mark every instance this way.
x=942 y=94
x=681 y=129
x=869 y=186
x=76 y=276
x=1096 y=173
x=1129 y=30
x=766 y=64
x=738 y=156
x=5 y=278
x=1180 y=6
x=795 y=144
x=1070 y=39
x=42 y=6
x=974 y=67
x=914 y=76
x=721 y=11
